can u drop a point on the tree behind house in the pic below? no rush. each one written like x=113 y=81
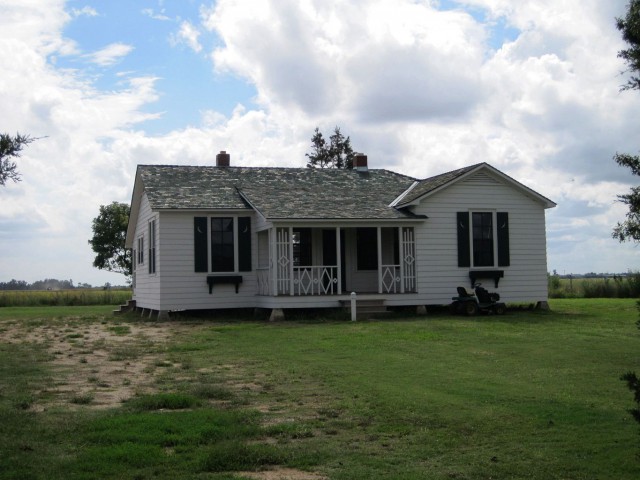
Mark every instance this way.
x=109 y=235
x=335 y=154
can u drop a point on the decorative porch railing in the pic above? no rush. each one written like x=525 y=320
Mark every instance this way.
x=311 y=280
x=315 y=280
x=391 y=279
x=264 y=282
x=283 y=277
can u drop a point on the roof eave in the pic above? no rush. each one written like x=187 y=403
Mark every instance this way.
x=399 y=198
x=134 y=210
x=412 y=219
x=248 y=202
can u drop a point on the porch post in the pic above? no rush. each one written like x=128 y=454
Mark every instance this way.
x=379 y=232
x=339 y=262
x=290 y=261
x=401 y=247
x=273 y=263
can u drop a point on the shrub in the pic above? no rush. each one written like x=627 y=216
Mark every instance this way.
x=212 y=392
x=82 y=398
x=602 y=287
x=163 y=401
x=233 y=455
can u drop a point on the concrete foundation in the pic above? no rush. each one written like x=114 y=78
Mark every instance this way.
x=277 y=314
x=543 y=305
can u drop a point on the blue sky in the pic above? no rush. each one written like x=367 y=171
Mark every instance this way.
x=187 y=82
x=187 y=79
x=420 y=86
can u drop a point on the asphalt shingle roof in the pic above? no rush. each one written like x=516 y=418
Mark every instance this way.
x=429 y=184
x=278 y=193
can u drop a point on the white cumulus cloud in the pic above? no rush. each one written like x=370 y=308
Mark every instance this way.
x=188 y=34
x=110 y=54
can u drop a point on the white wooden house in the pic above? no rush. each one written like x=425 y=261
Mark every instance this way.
x=211 y=237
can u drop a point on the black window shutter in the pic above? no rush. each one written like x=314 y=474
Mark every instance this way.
x=503 y=239
x=244 y=244
x=200 y=244
x=464 y=248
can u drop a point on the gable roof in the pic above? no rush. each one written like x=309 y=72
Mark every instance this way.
x=277 y=193
x=297 y=193
x=431 y=185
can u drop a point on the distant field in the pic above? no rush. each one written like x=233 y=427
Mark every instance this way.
x=612 y=287
x=528 y=395
x=75 y=297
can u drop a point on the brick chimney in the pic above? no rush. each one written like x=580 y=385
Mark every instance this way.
x=360 y=162
x=223 y=159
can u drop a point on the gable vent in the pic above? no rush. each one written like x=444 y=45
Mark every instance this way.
x=481 y=178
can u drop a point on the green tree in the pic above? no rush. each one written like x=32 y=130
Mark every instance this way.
x=10 y=148
x=630 y=28
x=630 y=228
x=337 y=153
x=109 y=234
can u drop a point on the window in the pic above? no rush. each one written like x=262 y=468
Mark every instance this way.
x=483 y=238
x=222 y=244
x=482 y=235
x=152 y=246
x=367 y=248
x=302 y=247
x=140 y=250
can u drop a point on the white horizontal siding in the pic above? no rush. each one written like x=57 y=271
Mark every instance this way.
x=182 y=287
x=176 y=286
x=147 y=288
x=525 y=280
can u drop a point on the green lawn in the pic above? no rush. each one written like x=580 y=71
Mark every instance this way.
x=526 y=395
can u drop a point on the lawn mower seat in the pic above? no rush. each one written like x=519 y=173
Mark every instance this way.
x=462 y=292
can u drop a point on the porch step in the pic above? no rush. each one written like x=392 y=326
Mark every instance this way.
x=127 y=307
x=367 y=308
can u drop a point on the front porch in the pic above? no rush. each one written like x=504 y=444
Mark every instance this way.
x=323 y=261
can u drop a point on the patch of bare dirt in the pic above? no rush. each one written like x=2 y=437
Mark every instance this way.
x=99 y=365
x=283 y=474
